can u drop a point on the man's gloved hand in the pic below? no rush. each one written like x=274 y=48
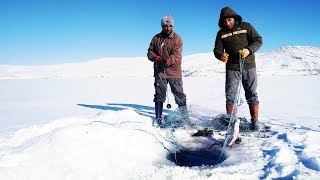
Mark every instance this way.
x=244 y=52
x=224 y=57
x=167 y=63
x=157 y=59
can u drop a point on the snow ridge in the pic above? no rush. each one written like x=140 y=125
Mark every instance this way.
x=288 y=60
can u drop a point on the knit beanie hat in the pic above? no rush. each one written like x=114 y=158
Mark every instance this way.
x=167 y=20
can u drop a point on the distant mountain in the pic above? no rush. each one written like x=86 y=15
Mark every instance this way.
x=288 y=60
x=295 y=60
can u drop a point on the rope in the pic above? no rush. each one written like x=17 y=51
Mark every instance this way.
x=233 y=113
x=173 y=120
x=155 y=138
x=172 y=138
x=165 y=84
x=165 y=77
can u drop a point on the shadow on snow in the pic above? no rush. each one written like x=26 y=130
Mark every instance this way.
x=140 y=109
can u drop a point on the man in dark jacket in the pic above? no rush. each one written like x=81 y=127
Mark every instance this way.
x=236 y=37
x=165 y=52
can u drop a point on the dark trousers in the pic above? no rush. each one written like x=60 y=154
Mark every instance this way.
x=249 y=83
x=176 y=86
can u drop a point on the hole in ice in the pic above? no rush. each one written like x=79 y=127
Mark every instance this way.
x=191 y=158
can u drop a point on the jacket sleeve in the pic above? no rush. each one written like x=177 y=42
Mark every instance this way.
x=176 y=53
x=218 y=47
x=255 y=40
x=151 y=54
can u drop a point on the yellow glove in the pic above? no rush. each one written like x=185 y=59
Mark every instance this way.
x=224 y=57
x=244 y=53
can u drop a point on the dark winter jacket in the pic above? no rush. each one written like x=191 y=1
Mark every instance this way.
x=169 y=48
x=243 y=35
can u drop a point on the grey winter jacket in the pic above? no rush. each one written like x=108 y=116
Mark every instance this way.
x=169 y=48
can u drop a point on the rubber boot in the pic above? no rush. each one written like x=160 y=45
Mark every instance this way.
x=158 y=111
x=254 y=109
x=229 y=108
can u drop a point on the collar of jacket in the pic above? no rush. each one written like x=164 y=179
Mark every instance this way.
x=169 y=36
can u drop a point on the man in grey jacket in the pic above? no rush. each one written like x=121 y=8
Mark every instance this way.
x=165 y=51
x=237 y=37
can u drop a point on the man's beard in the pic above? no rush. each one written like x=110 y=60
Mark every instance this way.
x=167 y=32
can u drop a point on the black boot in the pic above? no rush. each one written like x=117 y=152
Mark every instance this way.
x=158 y=112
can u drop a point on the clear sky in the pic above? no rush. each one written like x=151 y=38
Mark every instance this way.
x=44 y=32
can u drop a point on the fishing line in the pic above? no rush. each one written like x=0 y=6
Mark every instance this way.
x=234 y=109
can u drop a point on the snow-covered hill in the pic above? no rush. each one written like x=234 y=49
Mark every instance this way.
x=289 y=60
x=296 y=60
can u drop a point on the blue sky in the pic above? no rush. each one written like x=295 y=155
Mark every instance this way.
x=44 y=32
